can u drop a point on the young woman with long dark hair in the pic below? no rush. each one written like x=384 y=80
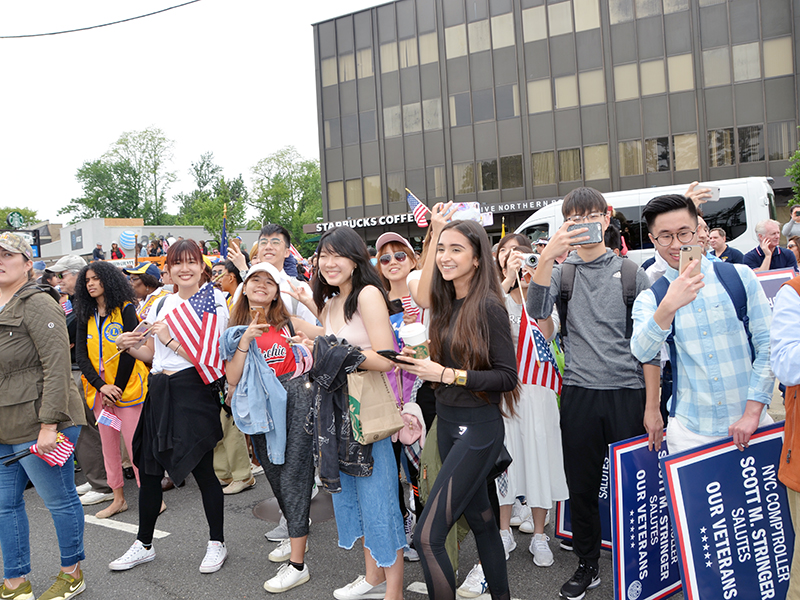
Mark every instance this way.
x=474 y=364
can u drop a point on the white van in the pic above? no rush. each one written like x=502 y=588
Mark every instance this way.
x=743 y=203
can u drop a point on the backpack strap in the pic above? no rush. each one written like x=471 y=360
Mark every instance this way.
x=659 y=289
x=567 y=283
x=628 y=272
x=730 y=280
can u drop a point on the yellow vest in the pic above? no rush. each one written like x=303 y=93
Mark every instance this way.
x=143 y=310
x=101 y=348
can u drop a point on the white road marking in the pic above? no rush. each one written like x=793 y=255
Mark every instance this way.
x=128 y=527
x=418 y=587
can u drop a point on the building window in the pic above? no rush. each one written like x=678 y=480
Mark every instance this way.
x=389 y=57
x=782 y=140
x=478 y=36
x=372 y=190
x=673 y=6
x=503 y=31
x=507 y=102
x=437 y=186
x=560 y=18
x=347 y=67
x=354 y=193
x=656 y=154
x=778 y=57
x=620 y=11
x=540 y=98
x=751 y=144
x=350 y=130
x=717 y=67
x=328 y=71
x=395 y=187
x=369 y=131
x=566 y=91
x=392 y=121
x=587 y=15
x=336 y=195
x=652 y=76
x=432 y=114
x=460 y=110
x=746 y=62
x=720 y=147
x=626 y=82
x=487 y=175
x=364 y=63
x=685 y=151
x=332 y=135
x=464 y=178
x=543 y=165
x=647 y=8
x=483 y=105
x=534 y=24
x=408 y=53
x=630 y=158
x=428 y=48
x=412 y=117
x=569 y=165
x=511 y=172
x=592 y=85
x=455 y=41
x=681 y=73
x=595 y=160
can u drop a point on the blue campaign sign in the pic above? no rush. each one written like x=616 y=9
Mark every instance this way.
x=644 y=552
x=563 y=526
x=771 y=282
x=731 y=518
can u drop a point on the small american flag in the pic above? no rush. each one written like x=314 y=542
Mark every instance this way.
x=535 y=362
x=408 y=306
x=417 y=208
x=67 y=306
x=109 y=419
x=295 y=252
x=194 y=325
x=59 y=456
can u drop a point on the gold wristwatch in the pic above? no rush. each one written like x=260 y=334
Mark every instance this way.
x=461 y=377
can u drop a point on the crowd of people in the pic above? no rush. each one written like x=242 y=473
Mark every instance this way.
x=224 y=369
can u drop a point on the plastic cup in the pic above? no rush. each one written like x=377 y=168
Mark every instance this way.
x=415 y=336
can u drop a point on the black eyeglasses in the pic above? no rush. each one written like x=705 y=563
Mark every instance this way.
x=398 y=256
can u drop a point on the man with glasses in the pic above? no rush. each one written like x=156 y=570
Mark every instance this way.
x=722 y=384
x=604 y=398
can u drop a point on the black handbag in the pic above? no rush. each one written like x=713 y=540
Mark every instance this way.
x=501 y=464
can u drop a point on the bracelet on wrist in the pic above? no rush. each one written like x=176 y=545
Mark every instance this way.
x=441 y=377
x=240 y=350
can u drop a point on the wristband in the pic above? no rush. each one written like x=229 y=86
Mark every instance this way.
x=240 y=350
x=441 y=377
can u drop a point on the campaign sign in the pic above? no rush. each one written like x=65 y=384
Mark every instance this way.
x=731 y=518
x=563 y=526
x=771 y=282
x=644 y=552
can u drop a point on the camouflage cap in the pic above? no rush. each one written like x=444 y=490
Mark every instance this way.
x=15 y=243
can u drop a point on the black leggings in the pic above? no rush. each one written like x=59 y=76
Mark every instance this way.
x=470 y=440
x=150 y=496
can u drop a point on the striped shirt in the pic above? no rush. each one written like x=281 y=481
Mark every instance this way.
x=715 y=374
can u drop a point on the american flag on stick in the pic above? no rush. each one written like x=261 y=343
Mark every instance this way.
x=194 y=325
x=535 y=363
x=109 y=419
x=417 y=208
x=60 y=455
x=295 y=252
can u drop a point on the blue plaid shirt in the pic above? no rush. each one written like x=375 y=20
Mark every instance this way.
x=715 y=375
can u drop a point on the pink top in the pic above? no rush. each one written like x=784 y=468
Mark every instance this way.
x=353 y=331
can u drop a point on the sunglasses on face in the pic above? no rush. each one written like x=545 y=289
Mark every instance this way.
x=398 y=256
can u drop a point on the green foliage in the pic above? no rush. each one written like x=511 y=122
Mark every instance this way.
x=206 y=208
x=28 y=215
x=111 y=188
x=793 y=173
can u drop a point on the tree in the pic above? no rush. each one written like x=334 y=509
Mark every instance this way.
x=204 y=171
x=111 y=188
x=207 y=207
x=28 y=215
x=793 y=173
x=287 y=190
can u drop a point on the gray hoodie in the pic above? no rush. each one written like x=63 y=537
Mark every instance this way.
x=597 y=354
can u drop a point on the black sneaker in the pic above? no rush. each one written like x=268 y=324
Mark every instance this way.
x=566 y=545
x=585 y=578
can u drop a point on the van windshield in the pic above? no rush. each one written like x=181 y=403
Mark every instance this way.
x=536 y=231
x=729 y=214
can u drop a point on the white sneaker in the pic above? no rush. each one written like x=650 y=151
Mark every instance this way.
x=82 y=489
x=136 y=555
x=256 y=469
x=527 y=523
x=409 y=522
x=287 y=578
x=542 y=555
x=280 y=533
x=314 y=490
x=509 y=544
x=283 y=551
x=517 y=513
x=474 y=585
x=216 y=553
x=360 y=588
x=410 y=554
x=92 y=497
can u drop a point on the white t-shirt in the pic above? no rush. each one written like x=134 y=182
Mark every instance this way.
x=164 y=359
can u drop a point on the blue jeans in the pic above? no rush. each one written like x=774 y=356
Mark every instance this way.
x=56 y=486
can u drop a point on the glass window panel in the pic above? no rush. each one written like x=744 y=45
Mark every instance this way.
x=347 y=67
x=487 y=175
x=464 y=178
x=483 y=105
x=369 y=130
x=560 y=17
x=710 y=2
x=566 y=91
x=534 y=24
x=673 y=6
x=478 y=36
x=751 y=144
x=503 y=31
x=681 y=73
x=507 y=102
x=587 y=14
x=408 y=53
x=432 y=114
x=328 y=69
x=647 y=8
x=412 y=117
x=511 y=172
x=569 y=164
x=656 y=154
x=372 y=190
x=364 y=63
x=455 y=41
x=350 y=130
x=685 y=149
x=539 y=97
x=389 y=57
x=778 y=57
x=782 y=140
x=626 y=82
x=332 y=135
x=620 y=11
x=717 y=67
x=593 y=87
x=460 y=110
x=543 y=165
x=428 y=48
x=746 y=62
x=335 y=195
x=437 y=186
x=720 y=147
x=595 y=159
x=630 y=158
x=354 y=193
x=652 y=76
x=395 y=187
x=392 y=121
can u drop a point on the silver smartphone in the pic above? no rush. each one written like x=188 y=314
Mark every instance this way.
x=595 y=232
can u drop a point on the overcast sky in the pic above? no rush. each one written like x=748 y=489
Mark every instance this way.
x=232 y=77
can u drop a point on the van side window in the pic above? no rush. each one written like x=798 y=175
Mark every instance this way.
x=632 y=227
x=540 y=230
x=729 y=214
